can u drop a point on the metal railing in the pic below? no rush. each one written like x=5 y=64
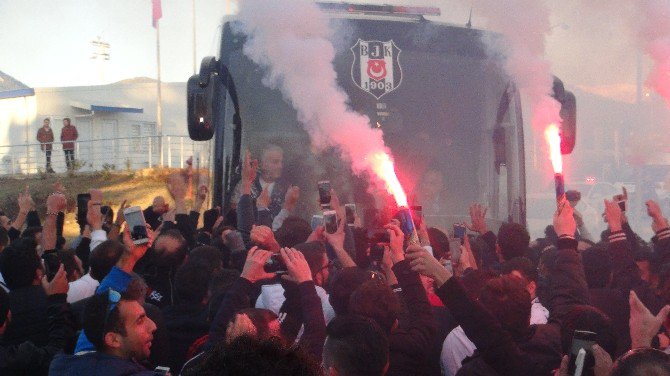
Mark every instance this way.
x=122 y=153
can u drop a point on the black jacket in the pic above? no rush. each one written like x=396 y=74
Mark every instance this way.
x=29 y=359
x=409 y=344
x=185 y=323
x=537 y=354
x=29 y=317
x=95 y=363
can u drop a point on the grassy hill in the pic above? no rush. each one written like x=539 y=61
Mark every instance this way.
x=138 y=187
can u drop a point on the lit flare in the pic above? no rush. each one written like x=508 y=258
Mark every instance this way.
x=382 y=165
x=554 y=140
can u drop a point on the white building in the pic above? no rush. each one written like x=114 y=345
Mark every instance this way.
x=116 y=124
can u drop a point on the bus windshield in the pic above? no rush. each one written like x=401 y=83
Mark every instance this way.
x=438 y=121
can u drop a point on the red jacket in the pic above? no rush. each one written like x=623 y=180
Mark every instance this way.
x=45 y=137
x=68 y=133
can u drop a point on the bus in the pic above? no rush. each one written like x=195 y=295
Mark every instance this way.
x=450 y=115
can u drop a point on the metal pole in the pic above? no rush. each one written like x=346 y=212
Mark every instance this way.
x=169 y=151
x=150 y=152
x=159 y=109
x=194 y=47
x=181 y=151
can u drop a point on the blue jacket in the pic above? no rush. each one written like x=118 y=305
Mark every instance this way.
x=95 y=363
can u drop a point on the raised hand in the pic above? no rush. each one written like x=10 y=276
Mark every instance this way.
x=291 y=198
x=424 y=263
x=643 y=324
x=26 y=202
x=613 y=215
x=253 y=266
x=56 y=203
x=397 y=242
x=478 y=219
x=564 y=221
x=263 y=236
x=654 y=211
x=249 y=171
x=263 y=200
x=58 y=285
x=298 y=269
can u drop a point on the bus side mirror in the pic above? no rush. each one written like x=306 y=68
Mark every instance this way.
x=568 y=114
x=201 y=101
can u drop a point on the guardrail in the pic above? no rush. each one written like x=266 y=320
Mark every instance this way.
x=124 y=153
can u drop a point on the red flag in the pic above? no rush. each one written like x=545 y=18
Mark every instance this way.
x=156 y=12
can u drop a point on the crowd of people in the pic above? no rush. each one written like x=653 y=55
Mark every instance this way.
x=260 y=291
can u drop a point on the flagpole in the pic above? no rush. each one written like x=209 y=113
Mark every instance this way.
x=159 y=108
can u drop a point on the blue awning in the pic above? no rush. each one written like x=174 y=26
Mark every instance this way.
x=17 y=93
x=107 y=108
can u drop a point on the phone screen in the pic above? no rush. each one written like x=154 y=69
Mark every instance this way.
x=82 y=206
x=330 y=221
x=324 y=192
x=582 y=340
x=137 y=224
x=351 y=213
x=459 y=232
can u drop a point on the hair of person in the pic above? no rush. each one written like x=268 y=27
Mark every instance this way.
x=192 y=281
x=173 y=258
x=31 y=231
x=376 y=300
x=508 y=300
x=597 y=266
x=270 y=148
x=46 y=119
x=18 y=263
x=4 y=238
x=67 y=258
x=219 y=284
x=314 y=253
x=356 y=346
x=523 y=265
x=642 y=362
x=591 y=319
x=474 y=280
x=208 y=255
x=261 y=318
x=4 y=306
x=513 y=239
x=137 y=289
x=293 y=231
x=104 y=257
x=68 y=120
x=342 y=284
x=247 y=356
x=439 y=241
x=93 y=319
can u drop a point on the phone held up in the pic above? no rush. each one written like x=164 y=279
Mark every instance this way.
x=137 y=224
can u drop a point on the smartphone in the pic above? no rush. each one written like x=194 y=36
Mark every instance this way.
x=317 y=220
x=459 y=232
x=82 y=207
x=622 y=205
x=447 y=265
x=455 y=249
x=581 y=354
x=330 y=221
x=137 y=224
x=350 y=209
x=51 y=265
x=275 y=264
x=324 y=193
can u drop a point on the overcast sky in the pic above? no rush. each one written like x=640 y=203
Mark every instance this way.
x=48 y=43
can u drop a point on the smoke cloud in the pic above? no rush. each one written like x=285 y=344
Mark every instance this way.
x=290 y=39
x=525 y=24
x=654 y=33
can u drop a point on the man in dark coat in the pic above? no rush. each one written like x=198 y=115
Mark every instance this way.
x=45 y=136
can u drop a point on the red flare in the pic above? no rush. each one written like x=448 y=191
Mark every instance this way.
x=382 y=165
x=554 y=140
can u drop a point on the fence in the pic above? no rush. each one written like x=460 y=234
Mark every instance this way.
x=125 y=153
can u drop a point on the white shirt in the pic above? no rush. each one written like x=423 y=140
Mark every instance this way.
x=97 y=237
x=82 y=288
x=457 y=346
x=272 y=298
x=2 y=283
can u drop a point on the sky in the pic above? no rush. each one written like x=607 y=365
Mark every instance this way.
x=48 y=43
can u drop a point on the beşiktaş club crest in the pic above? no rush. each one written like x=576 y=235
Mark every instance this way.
x=376 y=68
